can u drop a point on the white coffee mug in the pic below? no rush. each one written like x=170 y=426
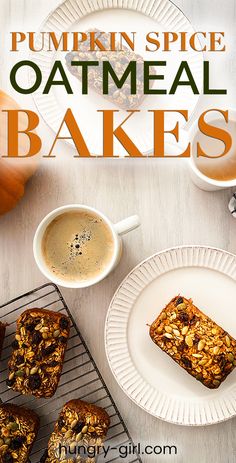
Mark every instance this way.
x=201 y=180
x=117 y=231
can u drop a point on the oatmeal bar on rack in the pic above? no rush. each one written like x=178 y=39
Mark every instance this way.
x=79 y=425
x=38 y=352
x=195 y=342
x=119 y=61
x=18 y=430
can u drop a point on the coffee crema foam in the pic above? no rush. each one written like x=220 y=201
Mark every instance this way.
x=77 y=246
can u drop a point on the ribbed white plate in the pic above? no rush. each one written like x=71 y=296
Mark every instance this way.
x=141 y=16
x=145 y=373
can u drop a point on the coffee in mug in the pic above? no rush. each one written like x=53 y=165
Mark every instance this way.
x=213 y=173
x=217 y=168
x=77 y=246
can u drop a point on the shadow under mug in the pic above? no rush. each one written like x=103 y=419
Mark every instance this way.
x=200 y=180
x=117 y=231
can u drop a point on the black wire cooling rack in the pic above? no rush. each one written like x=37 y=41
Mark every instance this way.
x=80 y=377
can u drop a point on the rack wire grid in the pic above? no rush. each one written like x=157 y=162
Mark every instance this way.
x=80 y=377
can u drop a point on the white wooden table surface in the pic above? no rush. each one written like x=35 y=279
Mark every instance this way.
x=172 y=210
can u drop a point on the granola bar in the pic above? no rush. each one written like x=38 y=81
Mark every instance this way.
x=38 y=352
x=18 y=430
x=119 y=61
x=195 y=342
x=79 y=425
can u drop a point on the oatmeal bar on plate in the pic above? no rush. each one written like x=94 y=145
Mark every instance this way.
x=204 y=349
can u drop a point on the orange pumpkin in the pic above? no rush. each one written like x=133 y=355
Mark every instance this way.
x=14 y=173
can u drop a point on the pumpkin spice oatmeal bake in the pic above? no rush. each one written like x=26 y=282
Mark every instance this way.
x=204 y=349
x=39 y=347
x=119 y=60
x=18 y=430
x=79 y=426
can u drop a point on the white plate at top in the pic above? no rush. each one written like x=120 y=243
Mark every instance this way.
x=146 y=374
x=141 y=16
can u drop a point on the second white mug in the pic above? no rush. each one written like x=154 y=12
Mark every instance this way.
x=201 y=180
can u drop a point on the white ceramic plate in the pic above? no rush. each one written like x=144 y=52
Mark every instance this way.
x=145 y=373
x=141 y=16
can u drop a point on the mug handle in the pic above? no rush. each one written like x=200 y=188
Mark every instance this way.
x=127 y=225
